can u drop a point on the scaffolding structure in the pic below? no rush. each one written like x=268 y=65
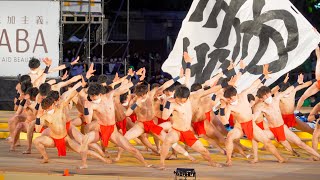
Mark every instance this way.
x=87 y=19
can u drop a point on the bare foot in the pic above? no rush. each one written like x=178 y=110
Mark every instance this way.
x=315 y=159
x=215 y=164
x=148 y=165
x=84 y=166
x=192 y=159
x=229 y=163
x=116 y=159
x=162 y=168
x=12 y=149
x=108 y=161
x=44 y=161
x=254 y=161
x=26 y=152
x=172 y=157
x=195 y=161
x=9 y=140
x=283 y=160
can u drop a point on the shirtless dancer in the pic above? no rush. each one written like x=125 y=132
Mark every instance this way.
x=202 y=108
x=82 y=97
x=121 y=122
x=22 y=79
x=158 y=104
x=36 y=71
x=20 y=115
x=201 y=119
x=314 y=88
x=45 y=88
x=143 y=108
x=314 y=116
x=24 y=83
x=28 y=110
x=238 y=105
x=54 y=117
x=270 y=106
x=72 y=131
x=101 y=108
x=287 y=105
x=181 y=123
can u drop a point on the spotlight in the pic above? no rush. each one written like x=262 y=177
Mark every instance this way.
x=183 y=174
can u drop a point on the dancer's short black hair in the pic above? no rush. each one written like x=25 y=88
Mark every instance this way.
x=264 y=90
x=103 y=79
x=54 y=95
x=196 y=87
x=229 y=92
x=34 y=63
x=141 y=90
x=251 y=97
x=46 y=103
x=25 y=77
x=44 y=89
x=182 y=92
x=33 y=92
x=171 y=88
x=25 y=85
x=95 y=89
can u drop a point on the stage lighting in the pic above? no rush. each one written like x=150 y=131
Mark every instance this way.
x=183 y=174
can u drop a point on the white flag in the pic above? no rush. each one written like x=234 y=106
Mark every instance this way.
x=260 y=32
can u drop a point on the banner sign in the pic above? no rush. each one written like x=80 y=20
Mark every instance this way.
x=28 y=29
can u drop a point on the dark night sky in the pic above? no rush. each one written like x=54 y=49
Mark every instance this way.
x=184 y=5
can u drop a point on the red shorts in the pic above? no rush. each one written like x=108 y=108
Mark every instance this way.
x=231 y=120
x=61 y=146
x=187 y=137
x=149 y=126
x=122 y=125
x=199 y=127
x=289 y=120
x=208 y=116
x=278 y=133
x=247 y=128
x=133 y=118
x=105 y=133
x=68 y=125
x=318 y=84
x=160 y=120
x=260 y=125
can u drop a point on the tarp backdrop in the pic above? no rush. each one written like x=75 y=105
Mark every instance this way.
x=259 y=31
x=28 y=29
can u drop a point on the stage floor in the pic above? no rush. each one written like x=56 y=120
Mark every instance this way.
x=15 y=165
